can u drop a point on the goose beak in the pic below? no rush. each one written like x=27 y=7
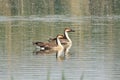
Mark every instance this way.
x=72 y=30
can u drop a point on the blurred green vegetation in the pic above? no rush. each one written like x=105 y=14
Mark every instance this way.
x=61 y=7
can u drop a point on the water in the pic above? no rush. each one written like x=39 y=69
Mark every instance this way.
x=94 y=54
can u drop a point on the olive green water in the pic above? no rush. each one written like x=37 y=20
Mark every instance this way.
x=94 y=55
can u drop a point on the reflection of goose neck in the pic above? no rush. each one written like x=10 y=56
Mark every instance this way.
x=66 y=36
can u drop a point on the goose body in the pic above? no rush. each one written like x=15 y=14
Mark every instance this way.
x=50 y=45
x=66 y=39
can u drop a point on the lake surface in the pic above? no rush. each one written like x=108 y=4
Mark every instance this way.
x=94 y=55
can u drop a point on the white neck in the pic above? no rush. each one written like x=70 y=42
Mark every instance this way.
x=68 y=38
x=59 y=43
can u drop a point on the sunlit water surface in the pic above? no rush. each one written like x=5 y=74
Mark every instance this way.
x=94 y=55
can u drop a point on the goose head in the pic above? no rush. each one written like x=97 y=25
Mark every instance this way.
x=69 y=30
x=60 y=36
